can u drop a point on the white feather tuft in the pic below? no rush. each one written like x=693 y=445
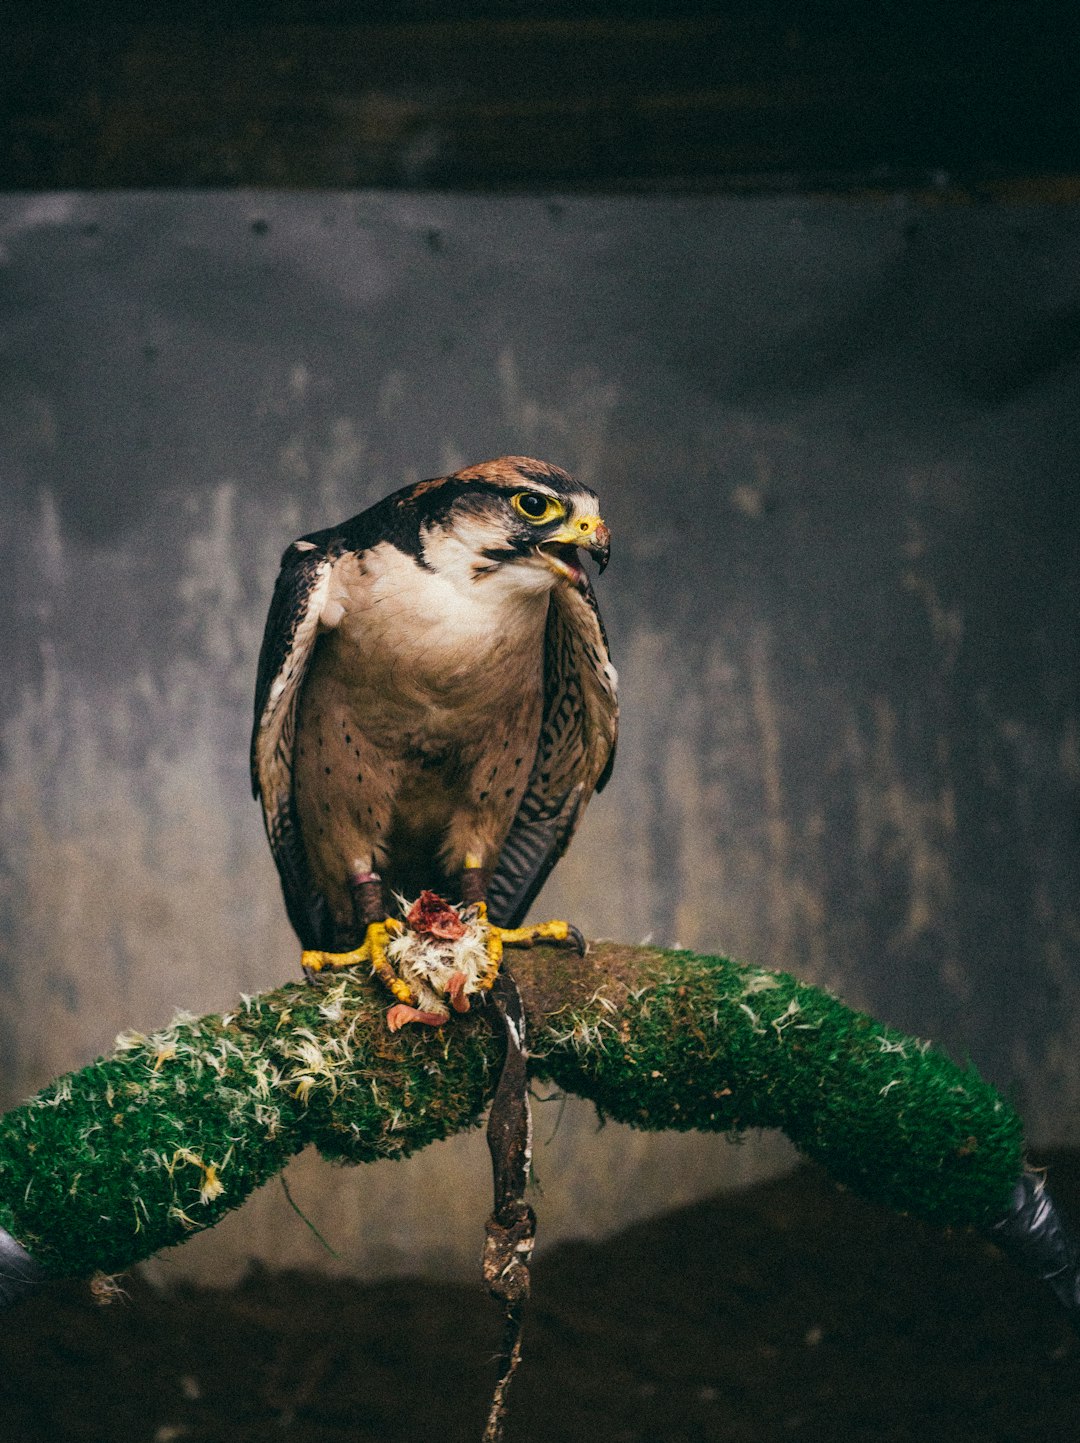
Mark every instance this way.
x=428 y=963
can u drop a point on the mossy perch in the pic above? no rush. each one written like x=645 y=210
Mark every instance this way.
x=141 y=1149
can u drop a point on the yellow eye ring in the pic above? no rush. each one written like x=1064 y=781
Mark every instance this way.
x=536 y=508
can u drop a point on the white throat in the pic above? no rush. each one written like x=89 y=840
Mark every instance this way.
x=458 y=558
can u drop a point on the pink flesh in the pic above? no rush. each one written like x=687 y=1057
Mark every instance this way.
x=400 y=1014
x=456 y=992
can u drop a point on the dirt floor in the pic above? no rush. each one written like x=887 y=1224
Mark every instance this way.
x=789 y=1311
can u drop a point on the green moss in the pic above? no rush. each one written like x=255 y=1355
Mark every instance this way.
x=715 y=1045
x=141 y=1149
x=113 y=1162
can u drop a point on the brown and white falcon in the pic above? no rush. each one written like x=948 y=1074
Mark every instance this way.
x=435 y=706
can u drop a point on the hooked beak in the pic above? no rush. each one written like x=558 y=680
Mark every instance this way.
x=600 y=546
x=585 y=532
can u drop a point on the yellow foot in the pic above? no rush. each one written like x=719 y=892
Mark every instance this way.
x=500 y=937
x=372 y=951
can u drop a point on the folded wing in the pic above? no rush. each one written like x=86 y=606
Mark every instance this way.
x=573 y=757
x=292 y=629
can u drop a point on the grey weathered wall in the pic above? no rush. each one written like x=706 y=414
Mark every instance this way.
x=837 y=445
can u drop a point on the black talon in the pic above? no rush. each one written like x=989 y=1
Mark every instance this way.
x=317 y=977
x=575 y=936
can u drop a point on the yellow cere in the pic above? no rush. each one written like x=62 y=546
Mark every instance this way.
x=578 y=530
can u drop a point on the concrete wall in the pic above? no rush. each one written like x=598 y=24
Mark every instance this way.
x=837 y=445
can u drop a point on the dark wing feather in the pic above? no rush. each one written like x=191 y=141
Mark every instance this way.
x=573 y=757
x=288 y=644
x=289 y=640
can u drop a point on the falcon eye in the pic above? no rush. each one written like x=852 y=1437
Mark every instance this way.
x=537 y=508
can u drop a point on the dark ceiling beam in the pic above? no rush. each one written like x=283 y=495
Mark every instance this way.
x=507 y=97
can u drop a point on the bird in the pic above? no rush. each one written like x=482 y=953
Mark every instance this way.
x=435 y=706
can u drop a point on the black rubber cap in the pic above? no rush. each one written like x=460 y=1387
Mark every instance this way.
x=1035 y=1236
x=19 y=1274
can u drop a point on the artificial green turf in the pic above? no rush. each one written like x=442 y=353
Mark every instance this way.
x=716 y=1045
x=139 y=1150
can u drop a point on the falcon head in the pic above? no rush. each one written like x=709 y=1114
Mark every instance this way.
x=521 y=520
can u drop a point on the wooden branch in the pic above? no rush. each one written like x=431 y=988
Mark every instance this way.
x=159 y=1140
